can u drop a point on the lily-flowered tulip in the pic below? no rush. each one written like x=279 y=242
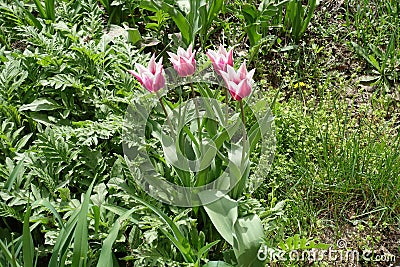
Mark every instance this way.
x=221 y=58
x=183 y=61
x=239 y=83
x=152 y=77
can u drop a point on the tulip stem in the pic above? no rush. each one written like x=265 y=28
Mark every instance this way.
x=242 y=113
x=227 y=105
x=165 y=112
x=197 y=115
x=244 y=123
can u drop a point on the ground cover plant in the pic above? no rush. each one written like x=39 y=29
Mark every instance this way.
x=76 y=77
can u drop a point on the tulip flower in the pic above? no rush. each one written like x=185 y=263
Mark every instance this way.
x=239 y=83
x=183 y=61
x=221 y=58
x=152 y=77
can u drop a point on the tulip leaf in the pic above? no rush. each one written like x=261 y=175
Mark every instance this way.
x=248 y=233
x=223 y=213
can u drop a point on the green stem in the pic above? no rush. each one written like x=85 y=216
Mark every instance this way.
x=165 y=112
x=197 y=116
x=227 y=105
x=242 y=112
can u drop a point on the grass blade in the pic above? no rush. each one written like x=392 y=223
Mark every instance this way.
x=27 y=241
x=47 y=204
x=50 y=10
x=106 y=256
x=81 y=245
x=185 y=249
x=63 y=241
x=8 y=255
x=16 y=170
x=40 y=9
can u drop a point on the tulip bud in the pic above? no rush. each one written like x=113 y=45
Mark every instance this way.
x=152 y=77
x=183 y=61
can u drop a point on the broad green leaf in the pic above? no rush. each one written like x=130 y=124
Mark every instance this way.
x=204 y=250
x=249 y=234
x=22 y=142
x=312 y=4
x=40 y=9
x=223 y=213
x=50 y=10
x=32 y=18
x=184 y=246
x=374 y=62
x=175 y=14
x=361 y=51
x=133 y=36
x=63 y=241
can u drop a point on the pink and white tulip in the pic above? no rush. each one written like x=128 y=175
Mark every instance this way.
x=183 y=61
x=152 y=77
x=221 y=58
x=239 y=82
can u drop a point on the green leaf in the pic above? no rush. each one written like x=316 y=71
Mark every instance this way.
x=27 y=241
x=204 y=250
x=79 y=256
x=249 y=234
x=45 y=203
x=374 y=62
x=63 y=241
x=17 y=170
x=361 y=51
x=223 y=213
x=33 y=19
x=106 y=255
x=173 y=12
x=41 y=104
x=40 y=9
x=50 y=10
x=22 y=142
x=133 y=36
x=7 y=254
x=178 y=236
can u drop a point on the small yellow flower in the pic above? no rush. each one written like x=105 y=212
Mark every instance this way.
x=299 y=84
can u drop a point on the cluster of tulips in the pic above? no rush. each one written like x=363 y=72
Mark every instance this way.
x=239 y=83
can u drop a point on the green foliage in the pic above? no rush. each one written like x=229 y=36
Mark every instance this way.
x=192 y=17
x=297 y=18
x=259 y=21
x=386 y=63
